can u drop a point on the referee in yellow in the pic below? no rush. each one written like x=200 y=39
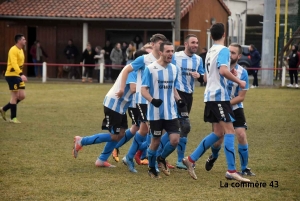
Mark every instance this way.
x=15 y=78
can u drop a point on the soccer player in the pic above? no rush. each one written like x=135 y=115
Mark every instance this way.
x=217 y=104
x=138 y=65
x=237 y=96
x=132 y=111
x=158 y=87
x=190 y=68
x=15 y=78
x=115 y=121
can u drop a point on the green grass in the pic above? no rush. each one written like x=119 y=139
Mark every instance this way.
x=37 y=164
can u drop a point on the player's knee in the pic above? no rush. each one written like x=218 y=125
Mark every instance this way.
x=143 y=130
x=242 y=137
x=185 y=127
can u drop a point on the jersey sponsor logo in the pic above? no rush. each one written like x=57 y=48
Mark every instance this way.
x=163 y=84
x=154 y=67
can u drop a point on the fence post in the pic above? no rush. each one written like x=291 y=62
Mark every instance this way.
x=44 y=72
x=283 y=76
x=101 y=74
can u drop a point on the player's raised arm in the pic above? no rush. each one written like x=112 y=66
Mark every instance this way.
x=131 y=80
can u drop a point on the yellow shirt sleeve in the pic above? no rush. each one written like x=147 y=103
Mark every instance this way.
x=15 y=62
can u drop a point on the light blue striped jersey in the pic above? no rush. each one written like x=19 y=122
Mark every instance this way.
x=217 y=56
x=132 y=80
x=161 y=83
x=186 y=65
x=112 y=102
x=234 y=89
x=139 y=65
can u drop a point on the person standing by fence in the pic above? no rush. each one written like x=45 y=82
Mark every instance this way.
x=88 y=58
x=100 y=57
x=116 y=57
x=293 y=60
x=38 y=54
x=71 y=53
x=255 y=63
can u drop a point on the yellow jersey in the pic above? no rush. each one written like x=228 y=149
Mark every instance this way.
x=15 y=62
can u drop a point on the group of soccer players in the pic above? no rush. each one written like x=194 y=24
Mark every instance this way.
x=158 y=88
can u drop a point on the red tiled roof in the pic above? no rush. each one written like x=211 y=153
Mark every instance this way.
x=121 y=9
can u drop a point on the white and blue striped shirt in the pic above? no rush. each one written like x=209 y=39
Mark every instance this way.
x=161 y=83
x=186 y=65
x=234 y=89
x=217 y=56
x=132 y=80
x=139 y=65
x=112 y=102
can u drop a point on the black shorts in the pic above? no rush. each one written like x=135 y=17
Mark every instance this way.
x=170 y=126
x=134 y=115
x=142 y=110
x=15 y=83
x=187 y=98
x=216 y=111
x=240 y=120
x=114 y=121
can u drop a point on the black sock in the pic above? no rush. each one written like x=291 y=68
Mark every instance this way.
x=6 y=107
x=13 y=111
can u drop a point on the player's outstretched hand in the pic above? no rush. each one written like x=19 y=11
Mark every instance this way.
x=156 y=102
x=120 y=93
x=180 y=103
x=242 y=84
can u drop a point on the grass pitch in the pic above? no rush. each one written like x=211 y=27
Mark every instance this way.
x=37 y=164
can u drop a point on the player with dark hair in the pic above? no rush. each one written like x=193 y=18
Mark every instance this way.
x=218 y=110
x=15 y=78
x=237 y=96
x=138 y=65
x=158 y=87
x=190 y=67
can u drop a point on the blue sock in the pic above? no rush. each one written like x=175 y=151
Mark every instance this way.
x=215 y=151
x=243 y=152
x=203 y=146
x=128 y=135
x=136 y=143
x=96 y=139
x=229 y=151
x=145 y=145
x=181 y=148
x=163 y=141
x=167 y=150
x=108 y=149
x=151 y=158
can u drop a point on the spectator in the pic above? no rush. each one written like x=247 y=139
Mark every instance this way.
x=124 y=49
x=88 y=58
x=100 y=57
x=255 y=63
x=116 y=58
x=130 y=52
x=71 y=53
x=38 y=54
x=138 y=43
x=293 y=60
x=203 y=56
x=107 y=48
